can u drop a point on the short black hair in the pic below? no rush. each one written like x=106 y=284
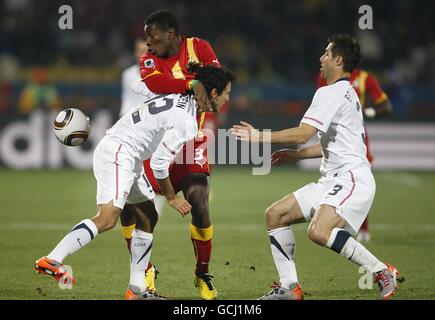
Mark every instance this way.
x=163 y=20
x=346 y=46
x=212 y=76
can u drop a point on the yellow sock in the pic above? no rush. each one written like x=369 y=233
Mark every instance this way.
x=203 y=234
x=127 y=231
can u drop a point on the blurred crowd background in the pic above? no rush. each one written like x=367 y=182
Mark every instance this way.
x=272 y=45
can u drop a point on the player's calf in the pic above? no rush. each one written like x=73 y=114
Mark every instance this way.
x=106 y=217
x=317 y=235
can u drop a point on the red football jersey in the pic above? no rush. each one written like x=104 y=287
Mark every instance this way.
x=170 y=75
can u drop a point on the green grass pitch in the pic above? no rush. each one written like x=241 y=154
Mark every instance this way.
x=39 y=207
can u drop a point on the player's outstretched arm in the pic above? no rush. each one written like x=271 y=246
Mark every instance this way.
x=296 y=135
x=290 y=155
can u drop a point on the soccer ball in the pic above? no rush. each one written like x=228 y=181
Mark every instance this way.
x=71 y=127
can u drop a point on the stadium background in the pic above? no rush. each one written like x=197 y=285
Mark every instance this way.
x=273 y=47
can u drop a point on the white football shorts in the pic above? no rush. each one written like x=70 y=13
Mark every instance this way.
x=119 y=176
x=351 y=194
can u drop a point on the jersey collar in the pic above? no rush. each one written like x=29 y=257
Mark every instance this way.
x=342 y=79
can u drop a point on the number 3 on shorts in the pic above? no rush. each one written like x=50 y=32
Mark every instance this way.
x=335 y=190
x=199 y=154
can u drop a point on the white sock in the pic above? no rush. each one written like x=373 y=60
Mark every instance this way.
x=141 y=244
x=283 y=252
x=342 y=242
x=78 y=237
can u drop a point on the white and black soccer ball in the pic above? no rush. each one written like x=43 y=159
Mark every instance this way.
x=72 y=127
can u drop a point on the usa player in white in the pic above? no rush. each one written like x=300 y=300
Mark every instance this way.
x=339 y=202
x=156 y=129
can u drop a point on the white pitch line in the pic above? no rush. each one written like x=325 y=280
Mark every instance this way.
x=405 y=179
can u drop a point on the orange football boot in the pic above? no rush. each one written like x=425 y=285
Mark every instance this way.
x=54 y=269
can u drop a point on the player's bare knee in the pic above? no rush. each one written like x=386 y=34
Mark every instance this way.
x=110 y=222
x=269 y=215
x=274 y=217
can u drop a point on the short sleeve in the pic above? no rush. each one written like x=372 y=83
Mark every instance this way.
x=322 y=110
x=205 y=52
x=149 y=66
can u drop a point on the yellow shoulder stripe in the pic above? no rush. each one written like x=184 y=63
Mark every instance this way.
x=191 y=50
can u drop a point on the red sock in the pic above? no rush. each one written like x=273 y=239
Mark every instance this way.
x=202 y=254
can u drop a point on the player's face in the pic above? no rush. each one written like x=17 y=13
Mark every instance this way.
x=158 y=41
x=327 y=62
x=217 y=101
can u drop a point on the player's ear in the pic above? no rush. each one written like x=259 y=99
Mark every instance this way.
x=339 y=61
x=213 y=93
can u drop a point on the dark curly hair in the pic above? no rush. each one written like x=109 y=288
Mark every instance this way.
x=347 y=47
x=163 y=20
x=212 y=76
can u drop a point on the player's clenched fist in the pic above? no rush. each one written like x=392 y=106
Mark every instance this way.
x=284 y=156
x=181 y=205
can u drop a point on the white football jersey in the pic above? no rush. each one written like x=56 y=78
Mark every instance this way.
x=134 y=90
x=157 y=129
x=336 y=112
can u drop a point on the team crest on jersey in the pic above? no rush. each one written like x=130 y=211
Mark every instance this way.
x=149 y=63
